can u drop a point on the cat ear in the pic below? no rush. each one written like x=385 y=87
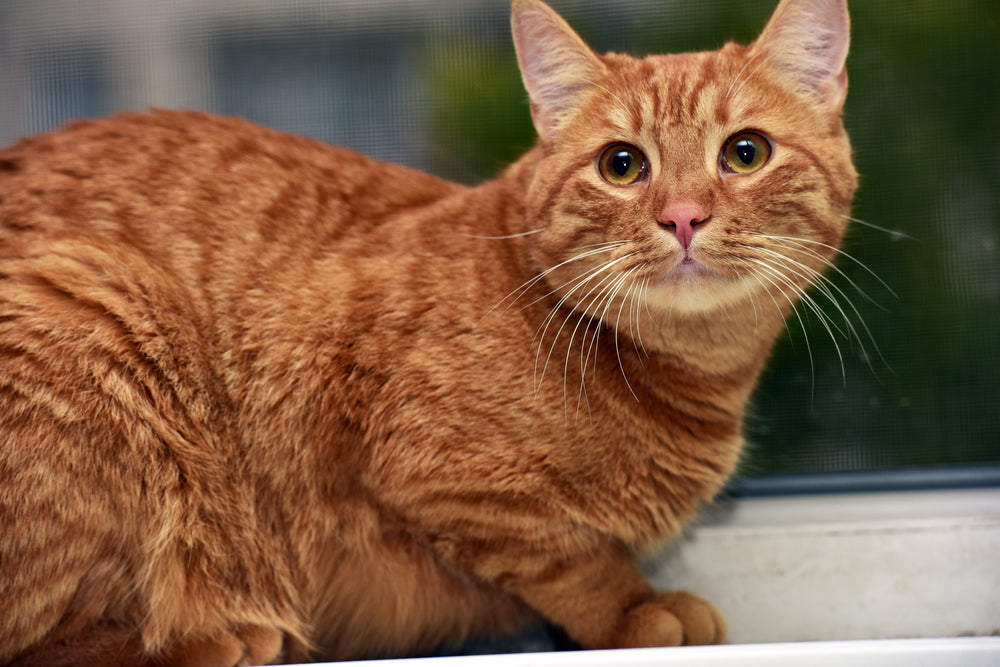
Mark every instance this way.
x=808 y=40
x=556 y=65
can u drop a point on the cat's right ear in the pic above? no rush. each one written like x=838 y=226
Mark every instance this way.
x=556 y=65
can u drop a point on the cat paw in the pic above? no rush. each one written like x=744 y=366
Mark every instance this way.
x=244 y=646
x=670 y=619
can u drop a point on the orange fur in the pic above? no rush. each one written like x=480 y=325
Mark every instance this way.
x=265 y=399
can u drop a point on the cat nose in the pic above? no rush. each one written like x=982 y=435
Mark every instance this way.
x=682 y=219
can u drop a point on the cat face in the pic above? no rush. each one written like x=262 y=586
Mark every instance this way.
x=689 y=182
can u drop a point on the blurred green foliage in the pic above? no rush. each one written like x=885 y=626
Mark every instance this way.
x=918 y=384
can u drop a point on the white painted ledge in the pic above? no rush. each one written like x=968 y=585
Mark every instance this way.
x=897 y=579
x=850 y=566
x=962 y=652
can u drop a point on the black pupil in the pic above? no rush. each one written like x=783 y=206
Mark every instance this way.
x=621 y=162
x=745 y=151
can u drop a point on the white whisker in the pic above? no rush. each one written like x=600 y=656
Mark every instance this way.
x=618 y=351
x=753 y=300
x=800 y=243
x=811 y=305
x=649 y=313
x=547 y=322
x=633 y=319
x=894 y=234
x=819 y=282
x=755 y=275
x=838 y=251
x=526 y=286
x=505 y=236
x=827 y=287
x=729 y=92
x=584 y=307
x=555 y=290
x=601 y=307
x=761 y=277
x=645 y=300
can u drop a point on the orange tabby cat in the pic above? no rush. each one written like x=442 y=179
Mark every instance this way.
x=262 y=399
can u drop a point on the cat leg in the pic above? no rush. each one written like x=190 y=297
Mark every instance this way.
x=246 y=645
x=600 y=599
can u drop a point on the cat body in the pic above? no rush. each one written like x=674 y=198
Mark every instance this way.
x=265 y=399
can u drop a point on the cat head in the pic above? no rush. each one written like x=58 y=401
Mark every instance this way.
x=694 y=181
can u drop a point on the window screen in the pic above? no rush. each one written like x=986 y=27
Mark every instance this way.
x=911 y=379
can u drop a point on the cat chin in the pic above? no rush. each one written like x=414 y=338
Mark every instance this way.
x=694 y=289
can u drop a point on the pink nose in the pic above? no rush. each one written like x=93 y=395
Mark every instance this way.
x=682 y=218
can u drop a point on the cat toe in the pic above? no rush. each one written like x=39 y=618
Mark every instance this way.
x=263 y=645
x=244 y=646
x=703 y=624
x=671 y=619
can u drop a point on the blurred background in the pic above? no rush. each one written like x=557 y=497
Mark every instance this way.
x=907 y=392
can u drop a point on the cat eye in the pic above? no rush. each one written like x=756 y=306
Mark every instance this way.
x=745 y=152
x=622 y=164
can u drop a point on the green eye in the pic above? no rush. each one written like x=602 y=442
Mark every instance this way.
x=622 y=164
x=745 y=152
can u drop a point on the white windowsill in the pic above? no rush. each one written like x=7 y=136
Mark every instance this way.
x=847 y=566
x=873 y=579
x=961 y=652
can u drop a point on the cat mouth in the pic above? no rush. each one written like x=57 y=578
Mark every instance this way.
x=688 y=267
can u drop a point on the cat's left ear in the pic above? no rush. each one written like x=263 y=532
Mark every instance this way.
x=556 y=65
x=808 y=40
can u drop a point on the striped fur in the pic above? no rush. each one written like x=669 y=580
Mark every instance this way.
x=263 y=399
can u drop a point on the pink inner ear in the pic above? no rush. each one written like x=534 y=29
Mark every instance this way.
x=808 y=40
x=555 y=63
